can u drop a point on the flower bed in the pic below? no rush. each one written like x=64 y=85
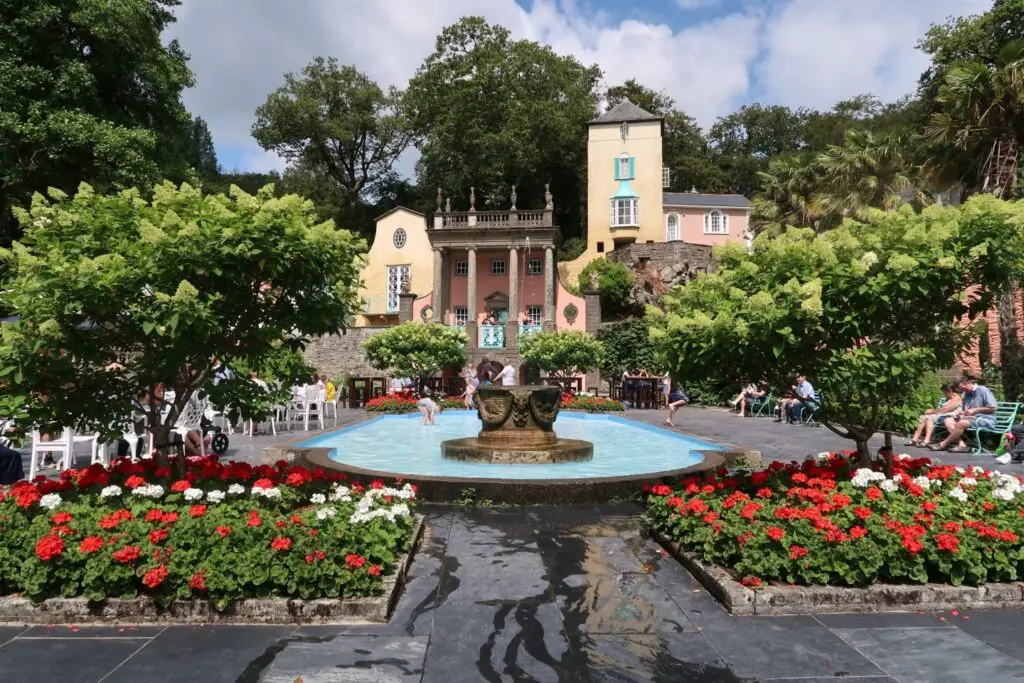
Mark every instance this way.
x=224 y=532
x=826 y=522
x=398 y=404
x=591 y=404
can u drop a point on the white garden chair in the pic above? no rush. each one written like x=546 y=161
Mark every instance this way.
x=93 y=441
x=311 y=402
x=65 y=445
x=333 y=405
x=191 y=420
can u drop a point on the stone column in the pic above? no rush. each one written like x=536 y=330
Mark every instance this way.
x=446 y=290
x=435 y=298
x=512 y=326
x=549 y=289
x=471 y=327
x=592 y=322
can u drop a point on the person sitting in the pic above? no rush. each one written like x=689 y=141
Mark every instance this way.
x=792 y=407
x=747 y=395
x=977 y=412
x=933 y=417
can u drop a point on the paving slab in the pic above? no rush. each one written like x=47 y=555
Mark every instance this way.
x=914 y=655
x=362 y=659
x=68 y=660
x=682 y=657
x=1000 y=630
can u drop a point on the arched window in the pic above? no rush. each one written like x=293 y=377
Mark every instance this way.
x=716 y=223
x=672 y=228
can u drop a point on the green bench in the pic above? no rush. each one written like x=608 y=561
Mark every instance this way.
x=1006 y=417
x=762 y=406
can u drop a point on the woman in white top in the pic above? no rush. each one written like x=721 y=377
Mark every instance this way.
x=508 y=376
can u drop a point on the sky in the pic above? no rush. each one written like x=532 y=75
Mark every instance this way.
x=712 y=56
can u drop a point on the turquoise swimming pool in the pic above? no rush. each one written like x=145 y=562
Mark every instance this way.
x=400 y=444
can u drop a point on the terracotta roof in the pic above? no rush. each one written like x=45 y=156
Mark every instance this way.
x=625 y=112
x=725 y=201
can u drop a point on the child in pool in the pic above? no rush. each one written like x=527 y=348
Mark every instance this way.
x=429 y=408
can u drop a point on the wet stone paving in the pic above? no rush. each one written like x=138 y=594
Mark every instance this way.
x=537 y=594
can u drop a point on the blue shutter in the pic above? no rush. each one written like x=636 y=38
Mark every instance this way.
x=616 y=162
x=632 y=168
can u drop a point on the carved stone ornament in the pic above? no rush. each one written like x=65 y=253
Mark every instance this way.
x=548 y=204
x=472 y=199
x=439 y=200
x=513 y=198
x=545 y=407
x=494 y=412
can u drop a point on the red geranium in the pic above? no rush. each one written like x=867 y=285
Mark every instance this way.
x=127 y=554
x=114 y=519
x=752 y=582
x=355 y=561
x=157 y=535
x=373 y=570
x=154 y=577
x=254 y=519
x=49 y=547
x=661 y=490
x=90 y=545
x=181 y=486
x=281 y=543
x=62 y=518
x=775 y=533
x=134 y=481
x=223 y=531
x=197 y=511
x=198 y=581
x=797 y=551
x=263 y=484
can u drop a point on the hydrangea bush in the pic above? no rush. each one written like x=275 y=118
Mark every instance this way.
x=223 y=532
x=828 y=522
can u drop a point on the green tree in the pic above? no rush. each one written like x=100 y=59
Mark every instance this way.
x=562 y=354
x=281 y=368
x=88 y=88
x=627 y=346
x=845 y=308
x=419 y=350
x=614 y=282
x=143 y=293
x=337 y=125
x=744 y=141
x=491 y=112
x=981 y=114
x=787 y=193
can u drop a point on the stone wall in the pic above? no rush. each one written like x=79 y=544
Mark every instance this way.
x=343 y=354
x=662 y=256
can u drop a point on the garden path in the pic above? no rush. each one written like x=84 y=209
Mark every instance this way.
x=537 y=594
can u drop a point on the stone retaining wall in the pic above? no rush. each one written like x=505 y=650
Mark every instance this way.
x=343 y=354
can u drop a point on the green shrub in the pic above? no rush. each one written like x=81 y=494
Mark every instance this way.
x=614 y=284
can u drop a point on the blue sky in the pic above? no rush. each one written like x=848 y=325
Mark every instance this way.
x=710 y=55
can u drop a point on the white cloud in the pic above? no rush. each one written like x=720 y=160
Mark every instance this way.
x=804 y=52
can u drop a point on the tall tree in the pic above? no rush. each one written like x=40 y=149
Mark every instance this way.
x=787 y=193
x=492 y=112
x=336 y=123
x=87 y=88
x=981 y=114
x=745 y=140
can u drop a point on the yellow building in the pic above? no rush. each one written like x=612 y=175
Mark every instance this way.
x=626 y=198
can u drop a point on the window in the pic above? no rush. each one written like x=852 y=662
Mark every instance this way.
x=534 y=314
x=462 y=268
x=672 y=227
x=624 y=130
x=400 y=238
x=625 y=212
x=622 y=169
x=600 y=247
x=716 y=223
x=497 y=267
x=398 y=278
x=666 y=177
x=461 y=315
x=534 y=267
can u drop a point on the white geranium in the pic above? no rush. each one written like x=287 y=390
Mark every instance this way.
x=1003 y=494
x=959 y=494
x=193 y=494
x=236 y=490
x=960 y=470
x=342 y=493
x=215 y=496
x=889 y=486
x=50 y=501
x=923 y=481
x=110 y=491
x=823 y=457
x=864 y=477
x=968 y=481
x=977 y=470
x=903 y=456
x=272 y=492
x=325 y=513
x=318 y=499
x=149 y=491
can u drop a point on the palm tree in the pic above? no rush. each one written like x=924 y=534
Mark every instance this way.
x=982 y=113
x=982 y=116
x=785 y=197
x=868 y=171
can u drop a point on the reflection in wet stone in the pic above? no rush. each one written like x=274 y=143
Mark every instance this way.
x=500 y=641
x=668 y=659
x=367 y=659
x=623 y=603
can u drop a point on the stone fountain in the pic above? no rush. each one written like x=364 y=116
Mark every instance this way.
x=518 y=427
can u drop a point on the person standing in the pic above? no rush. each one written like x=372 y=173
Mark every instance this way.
x=508 y=376
x=677 y=398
